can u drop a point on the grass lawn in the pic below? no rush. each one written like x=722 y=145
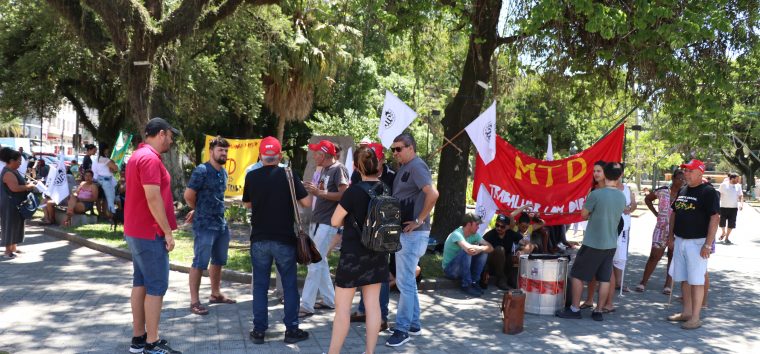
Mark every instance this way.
x=238 y=257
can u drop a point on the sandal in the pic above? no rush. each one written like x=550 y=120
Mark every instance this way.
x=666 y=290
x=9 y=255
x=640 y=288
x=67 y=222
x=358 y=317
x=198 y=309
x=626 y=289
x=220 y=299
x=679 y=317
x=321 y=306
x=586 y=306
x=609 y=310
x=303 y=313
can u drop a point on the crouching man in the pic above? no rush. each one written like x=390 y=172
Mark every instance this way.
x=465 y=254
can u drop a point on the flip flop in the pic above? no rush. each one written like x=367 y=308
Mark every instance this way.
x=677 y=318
x=639 y=288
x=609 y=310
x=586 y=306
x=666 y=290
x=198 y=309
x=303 y=313
x=220 y=299
x=626 y=289
x=321 y=306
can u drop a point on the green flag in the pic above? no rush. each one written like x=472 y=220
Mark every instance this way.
x=120 y=148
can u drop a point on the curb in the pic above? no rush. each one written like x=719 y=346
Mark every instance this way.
x=227 y=275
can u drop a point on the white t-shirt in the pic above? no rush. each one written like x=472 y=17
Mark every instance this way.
x=100 y=167
x=729 y=194
x=22 y=167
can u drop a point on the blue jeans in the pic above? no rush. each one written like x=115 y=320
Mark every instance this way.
x=466 y=267
x=210 y=245
x=150 y=264
x=284 y=256
x=109 y=188
x=385 y=290
x=413 y=247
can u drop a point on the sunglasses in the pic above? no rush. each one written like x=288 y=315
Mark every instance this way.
x=398 y=148
x=501 y=226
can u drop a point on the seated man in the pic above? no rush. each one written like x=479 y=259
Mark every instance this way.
x=465 y=253
x=83 y=199
x=505 y=243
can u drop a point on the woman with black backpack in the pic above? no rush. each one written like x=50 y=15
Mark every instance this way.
x=358 y=266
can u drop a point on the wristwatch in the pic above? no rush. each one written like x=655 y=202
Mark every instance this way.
x=417 y=221
x=706 y=246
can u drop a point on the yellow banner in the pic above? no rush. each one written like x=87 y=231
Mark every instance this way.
x=242 y=153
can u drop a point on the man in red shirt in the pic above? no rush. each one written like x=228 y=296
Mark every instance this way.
x=148 y=224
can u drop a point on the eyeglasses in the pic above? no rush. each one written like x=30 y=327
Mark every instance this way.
x=398 y=148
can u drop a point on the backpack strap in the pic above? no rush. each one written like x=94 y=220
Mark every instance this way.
x=371 y=191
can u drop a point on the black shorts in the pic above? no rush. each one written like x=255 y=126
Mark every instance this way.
x=728 y=214
x=592 y=262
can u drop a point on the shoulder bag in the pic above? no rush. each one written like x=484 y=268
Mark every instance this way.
x=306 y=251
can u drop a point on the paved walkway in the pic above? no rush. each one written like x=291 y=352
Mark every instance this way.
x=60 y=298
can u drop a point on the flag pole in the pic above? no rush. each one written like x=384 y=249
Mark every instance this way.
x=621 y=120
x=448 y=141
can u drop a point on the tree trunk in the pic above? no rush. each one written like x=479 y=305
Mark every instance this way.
x=280 y=129
x=139 y=75
x=466 y=106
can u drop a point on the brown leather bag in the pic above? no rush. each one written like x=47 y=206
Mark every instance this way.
x=513 y=311
x=306 y=252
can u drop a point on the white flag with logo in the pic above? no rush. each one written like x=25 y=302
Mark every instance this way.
x=350 y=162
x=482 y=132
x=56 y=182
x=549 y=150
x=396 y=116
x=485 y=208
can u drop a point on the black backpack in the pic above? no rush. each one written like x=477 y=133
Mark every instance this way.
x=381 y=231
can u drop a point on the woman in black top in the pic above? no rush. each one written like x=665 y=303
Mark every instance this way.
x=14 y=185
x=358 y=266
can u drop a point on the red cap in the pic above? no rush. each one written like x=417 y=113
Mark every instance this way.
x=694 y=165
x=269 y=147
x=378 y=148
x=325 y=146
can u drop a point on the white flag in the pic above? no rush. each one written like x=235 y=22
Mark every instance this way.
x=485 y=208
x=350 y=162
x=56 y=183
x=549 y=150
x=482 y=132
x=396 y=116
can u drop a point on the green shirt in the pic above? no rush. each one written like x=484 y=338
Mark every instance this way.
x=451 y=247
x=606 y=205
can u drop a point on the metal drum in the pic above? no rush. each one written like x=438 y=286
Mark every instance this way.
x=543 y=278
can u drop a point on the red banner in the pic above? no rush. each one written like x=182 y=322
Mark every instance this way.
x=556 y=189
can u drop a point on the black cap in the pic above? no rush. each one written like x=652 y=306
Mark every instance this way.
x=158 y=124
x=502 y=218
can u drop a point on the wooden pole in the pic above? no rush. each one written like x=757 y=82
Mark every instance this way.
x=447 y=143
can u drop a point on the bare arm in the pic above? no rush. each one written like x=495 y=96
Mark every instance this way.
x=585 y=214
x=649 y=201
x=12 y=182
x=712 y=228
x=431 y=195
x=190 y=197
x=333 y=196
x=338 y=216
x=156 y=206
x=519 y=210
x=112 y=166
